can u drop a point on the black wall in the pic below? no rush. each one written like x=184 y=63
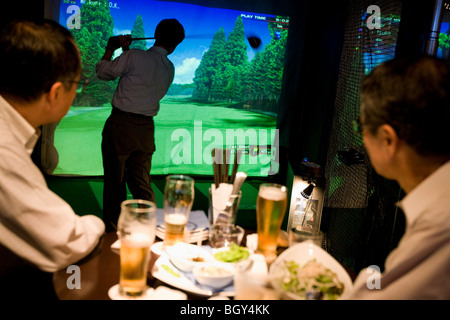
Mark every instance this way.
x=21 y=10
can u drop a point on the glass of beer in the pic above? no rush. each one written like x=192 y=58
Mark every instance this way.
x=270 y=210
x=178 y=200
x=136 y=231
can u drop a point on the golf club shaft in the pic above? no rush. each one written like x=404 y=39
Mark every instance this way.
x=192 y=36
x=254 y=41
x=149 y=38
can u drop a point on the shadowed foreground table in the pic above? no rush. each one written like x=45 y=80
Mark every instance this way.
x=98 y=273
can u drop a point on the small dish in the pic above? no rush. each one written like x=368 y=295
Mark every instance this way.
x=214 y=275
x=236 y=256
x=186 y=256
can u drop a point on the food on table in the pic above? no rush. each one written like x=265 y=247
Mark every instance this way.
x=214 y=271
x=186 y=256
x=312 y=277
x=235 y=253
x=198 y=259
x=215 y=275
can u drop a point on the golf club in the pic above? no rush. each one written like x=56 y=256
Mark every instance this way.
x=254 y=41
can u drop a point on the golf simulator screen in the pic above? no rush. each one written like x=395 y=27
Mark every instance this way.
x=228 y=80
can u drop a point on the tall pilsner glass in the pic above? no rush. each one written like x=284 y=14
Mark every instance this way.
x=270 y=210
x=178 y=200
x=136 y=231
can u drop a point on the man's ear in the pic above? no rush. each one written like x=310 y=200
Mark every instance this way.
x=389 y=138
x=54 y=94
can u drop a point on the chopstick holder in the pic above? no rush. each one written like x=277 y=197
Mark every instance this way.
x=219 y=198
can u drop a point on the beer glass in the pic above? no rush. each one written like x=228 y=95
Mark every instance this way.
x=178 y=200
x=136 y=231
x=270 y=210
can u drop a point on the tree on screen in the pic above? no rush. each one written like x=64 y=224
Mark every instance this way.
x=220 y=75
x=224 y=73
x=96 y=28
x=267 y=70
x=138 y=32
x=229 y=82
x=206 y=71
x=444 y=43
x=236 y=47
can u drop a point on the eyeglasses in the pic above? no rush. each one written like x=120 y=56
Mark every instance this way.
x=357 y=126
x=81 y=84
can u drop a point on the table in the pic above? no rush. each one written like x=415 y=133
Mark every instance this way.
x=100 y=271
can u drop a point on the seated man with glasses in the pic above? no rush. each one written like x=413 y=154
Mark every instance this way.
x=39 y=232
x=405 y=117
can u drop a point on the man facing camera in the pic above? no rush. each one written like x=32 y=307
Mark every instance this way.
x=39 y=232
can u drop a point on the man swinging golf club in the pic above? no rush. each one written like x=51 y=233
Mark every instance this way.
x=128 y=135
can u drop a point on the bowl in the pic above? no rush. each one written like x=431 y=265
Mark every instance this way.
x=186 y=256
x=235 y=256
x=214 y=275
x=320 y=262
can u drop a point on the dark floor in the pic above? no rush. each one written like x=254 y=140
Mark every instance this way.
x=84 y=194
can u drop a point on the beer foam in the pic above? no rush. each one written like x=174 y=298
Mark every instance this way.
x=176 y=218
x=272 y=193
x=138 y=240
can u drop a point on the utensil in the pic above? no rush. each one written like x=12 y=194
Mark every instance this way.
x=227 y=213
x=221 y=164
x=239 y=181
x=226 y=163
x=216 y=155
x=237 y=159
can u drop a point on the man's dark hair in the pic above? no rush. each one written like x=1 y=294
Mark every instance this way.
x=413 y=96
x=33 y=56
x=169 y=32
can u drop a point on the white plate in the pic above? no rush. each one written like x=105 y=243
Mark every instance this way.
x=301 y=253
x=165 y=271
